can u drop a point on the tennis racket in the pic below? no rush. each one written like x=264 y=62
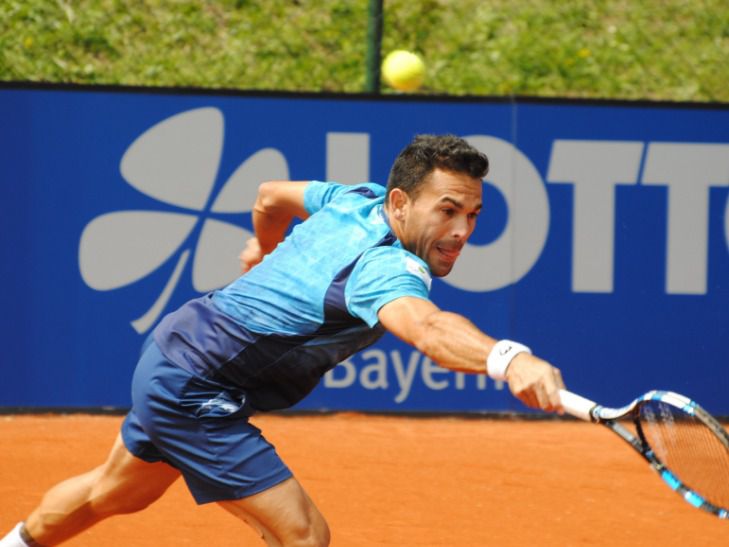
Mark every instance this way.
x=683 y=443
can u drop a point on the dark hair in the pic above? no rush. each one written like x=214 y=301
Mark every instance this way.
x=429 y=152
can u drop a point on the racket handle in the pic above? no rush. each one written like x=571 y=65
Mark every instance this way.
x=576 y=405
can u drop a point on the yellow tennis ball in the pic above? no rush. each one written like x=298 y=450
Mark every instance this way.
x=403 y=70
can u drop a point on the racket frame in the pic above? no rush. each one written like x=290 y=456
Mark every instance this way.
x=585 y=409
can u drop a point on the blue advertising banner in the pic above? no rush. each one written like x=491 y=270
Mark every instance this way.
x=604 y=241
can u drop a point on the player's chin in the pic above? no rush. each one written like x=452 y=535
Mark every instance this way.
x=441 y=268
x=442 y=260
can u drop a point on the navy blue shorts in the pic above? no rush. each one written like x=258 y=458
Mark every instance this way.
x=200 y=428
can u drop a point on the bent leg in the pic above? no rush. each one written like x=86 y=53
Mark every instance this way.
x=284 y=515
x=123 y=484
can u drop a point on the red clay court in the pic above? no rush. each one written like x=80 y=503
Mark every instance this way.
x=394 y=481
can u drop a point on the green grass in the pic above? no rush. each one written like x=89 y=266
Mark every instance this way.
x=659 y=49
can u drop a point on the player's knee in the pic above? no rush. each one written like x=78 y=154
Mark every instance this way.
x=314 y=532
x=322 y=535
x=318 y=538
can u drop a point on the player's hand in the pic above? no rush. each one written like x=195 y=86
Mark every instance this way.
x=535 y=382
x=250 y=255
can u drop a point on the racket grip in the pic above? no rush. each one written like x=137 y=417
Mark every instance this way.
x=576 y=405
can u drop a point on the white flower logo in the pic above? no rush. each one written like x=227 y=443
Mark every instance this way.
x=176 y=162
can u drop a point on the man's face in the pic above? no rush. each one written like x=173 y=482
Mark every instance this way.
x=437 y=223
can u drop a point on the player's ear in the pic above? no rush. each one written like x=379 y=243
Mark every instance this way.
x=397 y=203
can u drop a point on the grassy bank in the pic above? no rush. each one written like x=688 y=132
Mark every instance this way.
x=671 y=49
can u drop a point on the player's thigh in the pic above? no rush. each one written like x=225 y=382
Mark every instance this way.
x=126 y=483
x=284 y=512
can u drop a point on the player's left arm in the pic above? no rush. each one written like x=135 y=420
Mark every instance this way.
x=454 y=342
x=277 y=204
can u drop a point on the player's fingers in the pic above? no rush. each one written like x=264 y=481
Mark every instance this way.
x=522 y=390
x=531 y=394
x=541 y=393
x=529 y=397
x=552 y=384
x=556 y=400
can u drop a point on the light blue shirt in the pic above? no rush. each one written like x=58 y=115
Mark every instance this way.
x=285 y=293
x=275 y=331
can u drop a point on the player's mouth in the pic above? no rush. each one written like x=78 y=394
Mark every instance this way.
x=449 y=252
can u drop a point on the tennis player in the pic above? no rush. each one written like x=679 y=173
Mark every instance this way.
x=359 y=265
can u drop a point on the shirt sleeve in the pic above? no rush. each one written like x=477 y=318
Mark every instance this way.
x=381 y=275
x=317 y=194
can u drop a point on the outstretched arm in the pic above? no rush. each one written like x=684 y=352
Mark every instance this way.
x=277 y=204
x=454 y=342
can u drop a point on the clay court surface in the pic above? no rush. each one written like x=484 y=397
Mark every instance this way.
x=393 y=481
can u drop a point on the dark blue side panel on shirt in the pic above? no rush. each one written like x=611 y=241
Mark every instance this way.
x=198 y=337
x=278 y=371
x=275 y=371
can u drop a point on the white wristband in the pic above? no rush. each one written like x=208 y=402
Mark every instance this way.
x=500 y=357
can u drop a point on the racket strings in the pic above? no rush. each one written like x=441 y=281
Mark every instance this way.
x=689 y=448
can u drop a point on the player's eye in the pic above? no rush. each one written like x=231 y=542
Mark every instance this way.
x=449 y=212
